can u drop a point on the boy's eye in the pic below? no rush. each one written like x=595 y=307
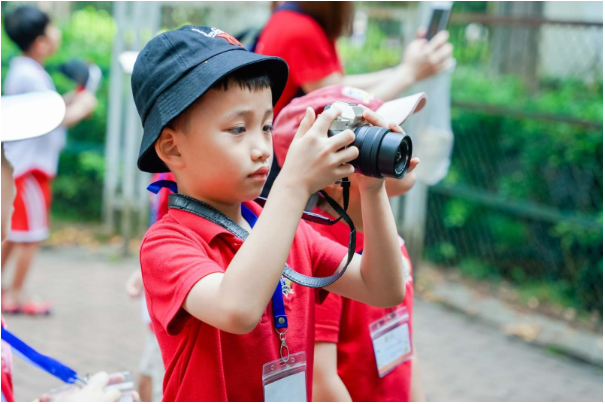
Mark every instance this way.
x=268 y=128
x=238 y=130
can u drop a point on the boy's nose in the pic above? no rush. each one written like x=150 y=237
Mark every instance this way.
x=262 y=150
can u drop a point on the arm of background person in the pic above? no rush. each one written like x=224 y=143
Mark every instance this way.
x=327 y=385
x=416 y=390
x=80 y=106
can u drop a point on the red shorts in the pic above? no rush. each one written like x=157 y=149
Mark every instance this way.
x=31 y=208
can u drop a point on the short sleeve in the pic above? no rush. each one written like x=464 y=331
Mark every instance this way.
x=311 y=57
x=327 y=318
x=301 y=41
x=326 y=255
x=172 y=262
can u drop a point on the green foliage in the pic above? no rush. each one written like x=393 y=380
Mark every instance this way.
x=522 y=161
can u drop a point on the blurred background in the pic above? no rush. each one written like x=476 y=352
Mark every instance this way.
x=509 y=259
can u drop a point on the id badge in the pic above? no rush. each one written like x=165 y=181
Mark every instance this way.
x=286 y=380
x=391 y=340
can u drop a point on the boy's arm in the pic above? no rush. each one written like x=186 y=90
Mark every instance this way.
x=80 y=106
x=235 y=300
x=327 y=385
x=416 y=390
x=377 y=277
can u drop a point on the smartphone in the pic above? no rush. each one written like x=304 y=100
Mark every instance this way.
x=440 y=16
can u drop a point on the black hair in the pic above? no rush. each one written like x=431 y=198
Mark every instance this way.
x=251 y=78
x=24 y=24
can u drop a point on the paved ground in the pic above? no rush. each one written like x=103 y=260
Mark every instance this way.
x=95 y=326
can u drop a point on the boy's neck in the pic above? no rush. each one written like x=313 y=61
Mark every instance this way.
x=35 y=56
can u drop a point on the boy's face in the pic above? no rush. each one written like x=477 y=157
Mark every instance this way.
x=226 y=147
x=49 y=43
x=8 y=195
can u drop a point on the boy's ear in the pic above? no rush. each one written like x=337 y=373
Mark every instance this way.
x=167 y=149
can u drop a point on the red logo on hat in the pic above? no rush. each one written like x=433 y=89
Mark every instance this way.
x=229 y=38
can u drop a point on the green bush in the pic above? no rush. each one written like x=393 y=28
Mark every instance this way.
x=505 y=168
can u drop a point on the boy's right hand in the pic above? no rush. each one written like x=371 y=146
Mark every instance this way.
x=134 y=284
x=315 y=160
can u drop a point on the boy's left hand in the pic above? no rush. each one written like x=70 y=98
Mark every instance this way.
x=375 y=119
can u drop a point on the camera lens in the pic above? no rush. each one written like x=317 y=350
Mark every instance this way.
x=382 y=153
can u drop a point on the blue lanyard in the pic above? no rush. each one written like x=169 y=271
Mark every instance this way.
x=277 y=301
x=46 y=363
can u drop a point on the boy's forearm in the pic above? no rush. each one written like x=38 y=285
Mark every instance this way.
x=416 y=390
x=381 y=262
x=254 y=272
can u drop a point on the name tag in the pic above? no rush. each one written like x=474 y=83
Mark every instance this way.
x=286 y=381
x=391 y=340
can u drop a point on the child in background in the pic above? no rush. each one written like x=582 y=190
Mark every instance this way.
x=151 y=368
x=346 y=368
x=35 y=161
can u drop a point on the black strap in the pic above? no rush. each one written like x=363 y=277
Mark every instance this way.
x=199 y=208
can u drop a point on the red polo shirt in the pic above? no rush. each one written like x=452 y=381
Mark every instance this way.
x=346 y=323
x=304 y=45
x=204 y=363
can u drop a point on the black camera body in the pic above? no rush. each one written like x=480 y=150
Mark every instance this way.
x=382 y=153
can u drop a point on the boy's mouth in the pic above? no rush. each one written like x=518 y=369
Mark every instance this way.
x=261 y=173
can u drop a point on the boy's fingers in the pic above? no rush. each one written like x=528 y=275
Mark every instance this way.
x=340 y=140
x=396 y=128
x=374 y=118
x=98 y=380
x=112 y=394
x=438 y=40
x=442 y=54
x=344 y=170
x=325 y=119
x=347 y=155
x=306 y=123
x=413 y=164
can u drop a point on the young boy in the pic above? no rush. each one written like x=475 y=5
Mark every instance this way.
x=34 y=160
x=346 y=368
x=49 y=110
x=218 y=305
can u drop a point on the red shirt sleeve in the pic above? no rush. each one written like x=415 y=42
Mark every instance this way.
x=172 y=262
x=327 y=318
x=301 y=41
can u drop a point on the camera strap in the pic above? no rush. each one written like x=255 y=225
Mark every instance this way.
x=201 y=209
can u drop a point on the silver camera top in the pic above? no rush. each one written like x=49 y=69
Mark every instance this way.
x=351 y=117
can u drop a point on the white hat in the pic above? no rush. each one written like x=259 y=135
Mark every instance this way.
x=31 y=114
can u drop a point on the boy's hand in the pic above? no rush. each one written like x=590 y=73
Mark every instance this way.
x=423 y=59
x=377 y=120
x=315 y=160
x=134 y=284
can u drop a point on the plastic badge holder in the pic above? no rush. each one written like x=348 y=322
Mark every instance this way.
x=391 y=340
x=285 y=380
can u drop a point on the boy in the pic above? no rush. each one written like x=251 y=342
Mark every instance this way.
x=346 y=368
x=206 y=105
x=49 y=109
x=34 y=160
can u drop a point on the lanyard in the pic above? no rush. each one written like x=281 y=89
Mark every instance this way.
x=46 y=363
x=201 y=209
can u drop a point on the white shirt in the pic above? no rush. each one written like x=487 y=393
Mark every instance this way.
x=42 y=153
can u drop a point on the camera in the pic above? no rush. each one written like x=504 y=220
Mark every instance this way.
x=382 y=153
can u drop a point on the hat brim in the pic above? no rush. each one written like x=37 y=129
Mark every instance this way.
x=399 y=110
x=30 y=115
x=192 y=86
